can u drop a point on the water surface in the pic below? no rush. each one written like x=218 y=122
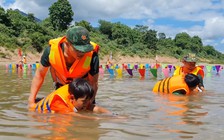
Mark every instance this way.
x=148 y=115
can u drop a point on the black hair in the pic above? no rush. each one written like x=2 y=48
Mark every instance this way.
x=80 y=88
x=192 y=80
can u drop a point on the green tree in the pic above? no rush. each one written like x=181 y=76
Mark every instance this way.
x=162 y=35
x=85 y=24
x=105 y=27
x=61 y=14
x=38 y=41
x=141 y=28
x=31 y=17
x=197 y=41
x=182 y=40
x=210 y=50
x=47 y=23
x=196 y=44
x=4 y=17
x=122 y=34
x=6 y=37
x=18 y=21
x=139 y=31
x=150 y=39
x=5 y=30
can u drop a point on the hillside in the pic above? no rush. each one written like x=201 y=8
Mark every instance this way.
x=127 y=44
x=26 y=15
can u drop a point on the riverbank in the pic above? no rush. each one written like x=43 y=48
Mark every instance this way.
x=13 y=58
x=33 y=58
x=10 y=57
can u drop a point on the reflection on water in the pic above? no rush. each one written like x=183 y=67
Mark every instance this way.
x=149 y=115
x=63 y=127
x=182 y=112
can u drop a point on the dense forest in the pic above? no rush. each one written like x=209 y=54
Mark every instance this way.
x=24 y=31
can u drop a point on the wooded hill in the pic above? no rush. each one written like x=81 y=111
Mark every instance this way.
x=23 y=31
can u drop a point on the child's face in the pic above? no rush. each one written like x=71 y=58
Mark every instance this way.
x=79 y=103
x=194 y=90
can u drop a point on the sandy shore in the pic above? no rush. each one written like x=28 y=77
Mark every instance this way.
x=13 y=58
x=32 y=58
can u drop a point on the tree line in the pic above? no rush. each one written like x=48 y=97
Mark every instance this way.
x=23 y=31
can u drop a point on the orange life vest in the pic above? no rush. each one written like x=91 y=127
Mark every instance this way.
x=24 y=60
x=171 y=84
x=78 y=69
x=197 y=71
x=44 y=105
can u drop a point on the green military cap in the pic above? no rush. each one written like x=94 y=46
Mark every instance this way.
x=78 y=36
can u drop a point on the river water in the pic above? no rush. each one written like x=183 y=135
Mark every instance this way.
x=144 y=115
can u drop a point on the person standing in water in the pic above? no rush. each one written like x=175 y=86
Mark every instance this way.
x=189 y=66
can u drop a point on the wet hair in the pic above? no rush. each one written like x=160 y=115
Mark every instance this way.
x=192 y=80
x=80 y=88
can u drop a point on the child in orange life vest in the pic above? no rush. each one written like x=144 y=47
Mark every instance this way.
x=178 y=85
x=24 y=59
x=109 y=63
x=70 y=98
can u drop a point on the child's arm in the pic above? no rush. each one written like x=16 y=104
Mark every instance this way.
x=83 y=116
x=98 y=109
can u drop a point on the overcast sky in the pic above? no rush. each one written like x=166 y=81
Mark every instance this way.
x=204 y=18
